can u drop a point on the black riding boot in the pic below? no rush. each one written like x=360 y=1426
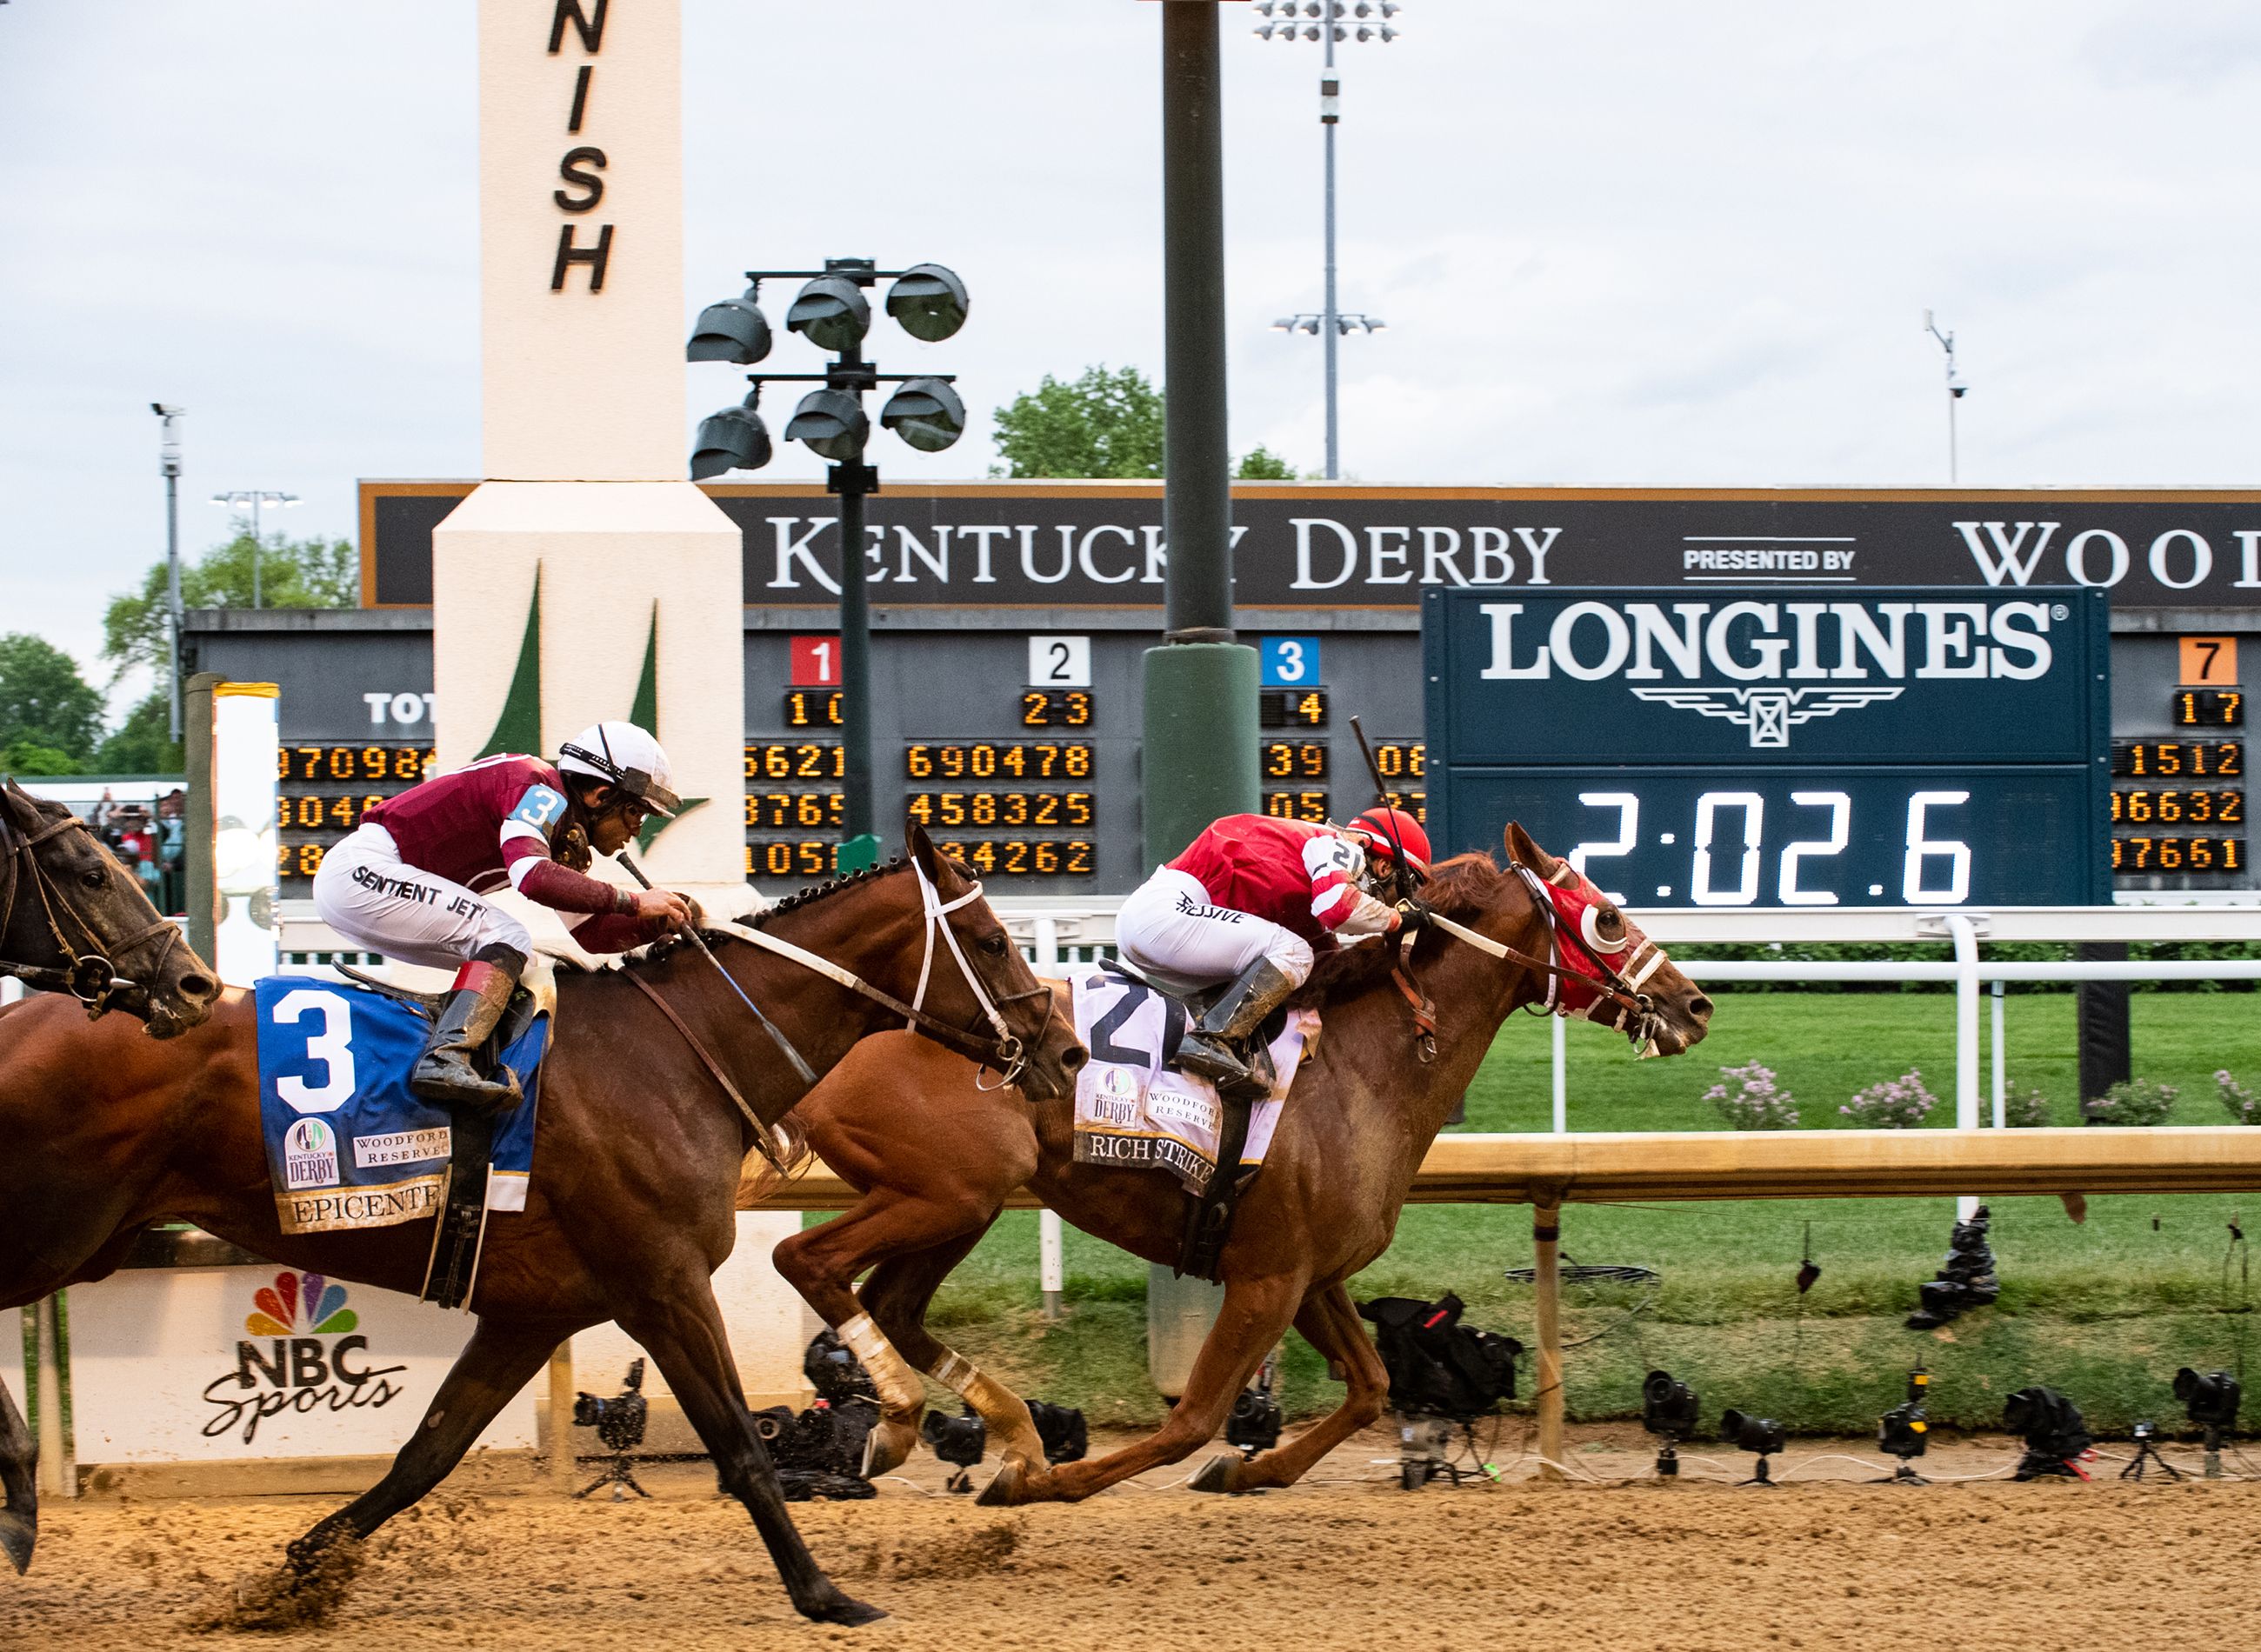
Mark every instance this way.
x=1216 y=1046
x=444 y=1074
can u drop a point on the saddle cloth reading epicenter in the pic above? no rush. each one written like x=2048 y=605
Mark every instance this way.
x=1133 y=1109
x=348 y=1146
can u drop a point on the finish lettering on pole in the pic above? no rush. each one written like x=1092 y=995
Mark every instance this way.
x=580 y=165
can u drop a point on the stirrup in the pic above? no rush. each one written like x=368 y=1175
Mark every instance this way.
x=1212 y=1058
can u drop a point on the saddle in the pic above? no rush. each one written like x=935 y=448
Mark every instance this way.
x=1210 y=1213
x=462 y=1226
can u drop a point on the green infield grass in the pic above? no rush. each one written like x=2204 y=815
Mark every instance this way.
x=2105 y=1310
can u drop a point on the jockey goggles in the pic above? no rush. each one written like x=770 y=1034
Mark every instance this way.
x=636 y=783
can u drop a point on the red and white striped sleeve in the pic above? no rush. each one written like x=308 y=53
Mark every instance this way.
x=1331 y=864
x=1337 y=900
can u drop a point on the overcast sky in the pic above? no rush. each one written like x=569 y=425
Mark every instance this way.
x=1635 y=242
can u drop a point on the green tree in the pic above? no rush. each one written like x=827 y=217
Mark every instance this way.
x=45 y=707
x=27 y=759
x=1105 y=424
x=143 y=743
x=1108 y=423
x=293 y=573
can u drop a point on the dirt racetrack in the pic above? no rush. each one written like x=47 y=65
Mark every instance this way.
x=1351 y=1563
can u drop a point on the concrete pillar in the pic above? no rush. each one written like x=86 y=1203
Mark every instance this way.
x=585 y=578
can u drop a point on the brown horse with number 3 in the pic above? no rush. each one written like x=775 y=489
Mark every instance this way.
x=1363 y=1111
x=103 y=1133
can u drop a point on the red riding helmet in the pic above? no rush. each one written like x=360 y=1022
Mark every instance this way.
x=1386 y=830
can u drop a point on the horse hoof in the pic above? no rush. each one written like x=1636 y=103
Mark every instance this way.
x=16 y=1537
x=886 y=1446
x=1007 y=1486
x=846 y=1610
x=1216 y=1475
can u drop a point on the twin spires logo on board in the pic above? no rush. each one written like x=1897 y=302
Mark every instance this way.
x=1852 y=652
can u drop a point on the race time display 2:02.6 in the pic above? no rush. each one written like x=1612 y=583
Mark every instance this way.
x=1750 y=746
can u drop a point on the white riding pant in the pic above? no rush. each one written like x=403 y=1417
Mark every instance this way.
x=371 y=896
x=1168 y=929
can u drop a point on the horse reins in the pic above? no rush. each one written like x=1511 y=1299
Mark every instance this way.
x=92 y=977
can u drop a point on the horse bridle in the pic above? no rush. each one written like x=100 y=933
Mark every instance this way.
x=92 y=977
x=1638 y=1016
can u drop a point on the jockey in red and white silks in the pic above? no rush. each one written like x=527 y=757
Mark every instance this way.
x=409 y=882
x=1250 y=901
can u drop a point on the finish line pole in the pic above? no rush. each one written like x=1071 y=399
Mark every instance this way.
x=1199 y=760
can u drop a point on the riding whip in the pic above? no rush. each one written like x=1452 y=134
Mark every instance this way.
x=1403 y=878
x=776 y=1037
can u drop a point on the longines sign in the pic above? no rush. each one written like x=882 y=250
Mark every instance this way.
x=1056 y=543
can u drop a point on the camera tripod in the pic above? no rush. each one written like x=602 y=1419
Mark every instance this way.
x=1759 y=1475
x=2146 y=1452
x=616 y=1474
x=1902 y=1475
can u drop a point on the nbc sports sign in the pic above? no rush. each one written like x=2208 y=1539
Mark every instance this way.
x=1747 y=745
x=220 y=1364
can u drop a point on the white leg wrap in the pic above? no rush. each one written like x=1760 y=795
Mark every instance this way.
x=955 y=1372
x=891 y=1374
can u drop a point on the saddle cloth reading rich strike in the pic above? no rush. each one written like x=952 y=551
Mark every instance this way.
x=1132 y=1109
x=348 y=1146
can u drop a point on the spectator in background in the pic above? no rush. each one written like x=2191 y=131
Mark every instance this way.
x=172 y=847
x=99 y=816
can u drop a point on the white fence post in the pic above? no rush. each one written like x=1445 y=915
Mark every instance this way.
x=1965 y=937
x=2000 y=1088
x=1561 y=1074
x=57 y=1479
x=1050 y=1243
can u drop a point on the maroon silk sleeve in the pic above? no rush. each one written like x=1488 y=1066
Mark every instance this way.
x=569 y=890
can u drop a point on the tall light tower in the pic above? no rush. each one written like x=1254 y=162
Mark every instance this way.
x=255 y=497
x=1329 y=22
x=1956 y=388
x=168 y=464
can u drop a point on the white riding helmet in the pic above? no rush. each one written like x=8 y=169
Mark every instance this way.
x=622 y=754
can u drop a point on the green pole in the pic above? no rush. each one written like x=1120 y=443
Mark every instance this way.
x=1199 y=758
x=197 y=819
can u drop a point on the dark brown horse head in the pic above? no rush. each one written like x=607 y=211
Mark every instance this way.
x=1612 y=960
x=1054 y=1054
x=73 y=919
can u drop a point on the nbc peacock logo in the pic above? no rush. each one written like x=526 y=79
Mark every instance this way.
x=300 y=1305
x=304 y=1352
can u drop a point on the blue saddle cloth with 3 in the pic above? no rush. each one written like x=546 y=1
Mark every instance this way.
x=348 y=1146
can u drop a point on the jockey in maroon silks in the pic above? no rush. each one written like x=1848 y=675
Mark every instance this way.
x=410 y=880
x=1248 y=902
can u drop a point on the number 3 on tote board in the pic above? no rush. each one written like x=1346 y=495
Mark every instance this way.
x=1059 y=662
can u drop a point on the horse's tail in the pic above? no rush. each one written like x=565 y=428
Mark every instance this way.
x=757 y=1178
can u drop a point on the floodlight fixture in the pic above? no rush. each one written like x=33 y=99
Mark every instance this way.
x=831 y=312
x=929 y=301
x=832 y=423
x=735 y=330
x=926 y=412
x=734 y=439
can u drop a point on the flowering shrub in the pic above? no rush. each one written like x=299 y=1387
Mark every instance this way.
x=2132 y=1101
x=1900 y=1103
x=1748 y=1098
x=2025 y=1109
x=2243 y=1105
